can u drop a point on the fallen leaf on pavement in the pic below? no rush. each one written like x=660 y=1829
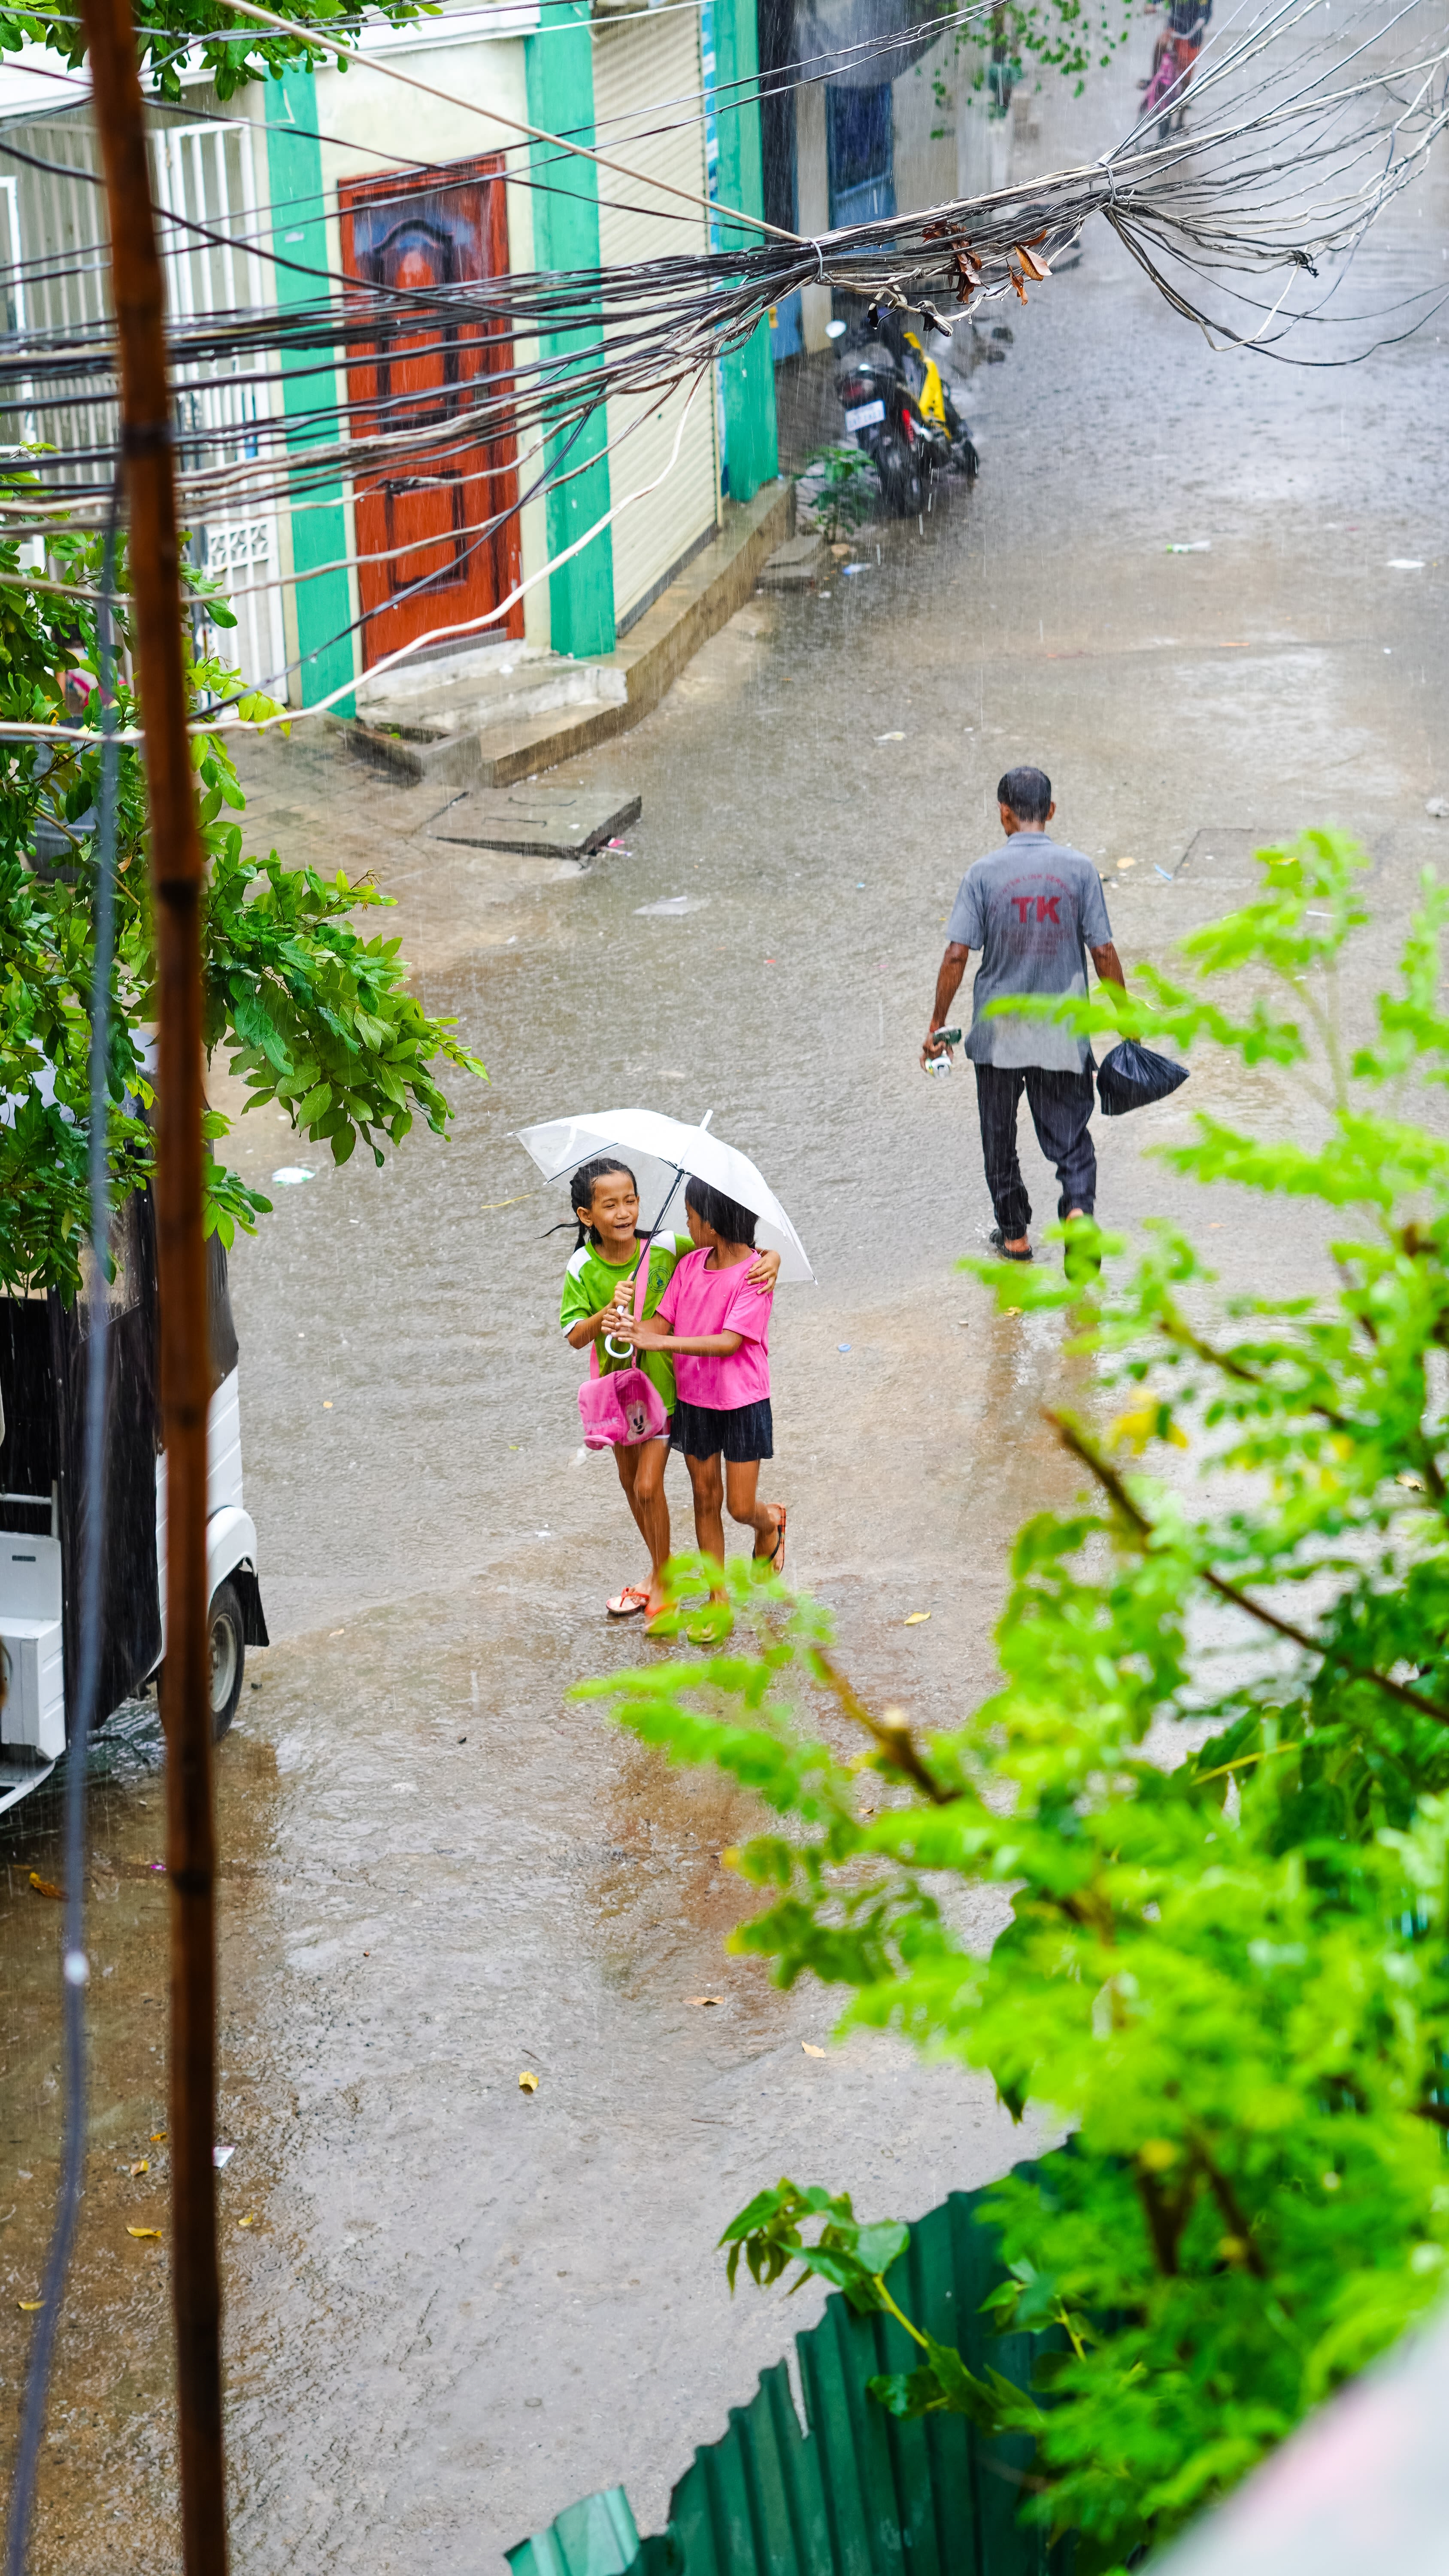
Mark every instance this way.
x=704 y=1999
x=143 y=2167
x=527 y=2083
x=914 y=1618
x=158 y=2137
x=42 y=1887
x=145 y=2231
x=810 y=2048
x=250 y=2219
x=28 y=2307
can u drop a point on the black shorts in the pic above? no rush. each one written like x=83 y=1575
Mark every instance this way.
x=742 y=1431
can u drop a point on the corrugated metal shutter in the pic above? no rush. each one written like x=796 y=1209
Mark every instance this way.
x=638 y=67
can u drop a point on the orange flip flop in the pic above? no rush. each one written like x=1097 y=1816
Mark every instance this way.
x=776 y=1559
x=628 y=1603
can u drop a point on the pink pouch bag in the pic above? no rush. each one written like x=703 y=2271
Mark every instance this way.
x=623 y=1408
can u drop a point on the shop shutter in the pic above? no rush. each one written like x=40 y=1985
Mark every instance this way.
x=646 y=74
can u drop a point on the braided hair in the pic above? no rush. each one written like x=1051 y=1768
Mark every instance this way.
x=581 y=1192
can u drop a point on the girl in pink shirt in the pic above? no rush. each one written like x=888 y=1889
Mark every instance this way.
x=716 y=1329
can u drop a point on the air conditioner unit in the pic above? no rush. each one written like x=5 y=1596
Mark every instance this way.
x=31 y=1637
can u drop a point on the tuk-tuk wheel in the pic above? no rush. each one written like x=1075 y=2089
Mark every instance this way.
x=228 y=1656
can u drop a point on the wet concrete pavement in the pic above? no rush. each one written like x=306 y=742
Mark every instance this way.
x=453 y=2308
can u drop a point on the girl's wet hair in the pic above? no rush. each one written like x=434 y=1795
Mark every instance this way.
x=581 y=1192
x=731 y=1222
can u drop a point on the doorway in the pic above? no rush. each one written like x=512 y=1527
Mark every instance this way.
x=861 y=147
x=437 y=531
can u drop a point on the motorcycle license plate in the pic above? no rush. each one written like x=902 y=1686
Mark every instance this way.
x=865 y=415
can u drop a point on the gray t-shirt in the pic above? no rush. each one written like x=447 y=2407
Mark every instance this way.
x=1028 y=910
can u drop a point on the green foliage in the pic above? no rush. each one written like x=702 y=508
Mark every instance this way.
x=1212 y=1787
x=316 y=1017
x=843 y=488
x=1070 y=37
x=234 y=53
x=855 y=2258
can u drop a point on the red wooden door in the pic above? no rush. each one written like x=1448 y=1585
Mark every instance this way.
x=433 y=551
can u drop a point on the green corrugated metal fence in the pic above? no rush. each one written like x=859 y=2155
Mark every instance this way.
x=859 y=2494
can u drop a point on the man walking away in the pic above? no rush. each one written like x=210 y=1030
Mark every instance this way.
x=1032 y=908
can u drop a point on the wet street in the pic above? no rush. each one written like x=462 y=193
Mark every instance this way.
x=452 y=2307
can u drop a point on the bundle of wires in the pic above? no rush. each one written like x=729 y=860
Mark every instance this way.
x=1307 y=118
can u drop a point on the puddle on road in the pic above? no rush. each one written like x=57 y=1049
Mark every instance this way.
x=108 y=2477
x=460 y=2307
x=442 y=2273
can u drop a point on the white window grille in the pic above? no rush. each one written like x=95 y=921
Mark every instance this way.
x=204 y=173
x=52 y=234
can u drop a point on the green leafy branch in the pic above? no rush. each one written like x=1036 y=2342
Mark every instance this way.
x=168 y=31
x=1218 y=1858
x=855 y=2258
x=318 y=1017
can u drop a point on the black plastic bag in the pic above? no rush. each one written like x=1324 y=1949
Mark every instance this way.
x=1132 y=1075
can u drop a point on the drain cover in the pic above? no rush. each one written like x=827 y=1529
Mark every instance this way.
x=543 y=822
x=1223 y=855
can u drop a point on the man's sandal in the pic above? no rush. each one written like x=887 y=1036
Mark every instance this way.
x=628 y=1603
x=1002 y=1248
x=774 y=1556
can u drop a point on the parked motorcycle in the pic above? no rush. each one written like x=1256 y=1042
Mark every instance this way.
x=898 y=409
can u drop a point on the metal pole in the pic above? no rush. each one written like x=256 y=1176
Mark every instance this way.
x=176 y=881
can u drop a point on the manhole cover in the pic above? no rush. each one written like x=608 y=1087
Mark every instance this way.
x=542 y=822
x=1223 y=855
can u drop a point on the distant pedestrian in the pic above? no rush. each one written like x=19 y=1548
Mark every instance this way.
x=714 y=1322
x=1033 y=909
x=598 y=1307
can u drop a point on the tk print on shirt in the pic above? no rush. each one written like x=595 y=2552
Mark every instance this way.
x=1035 y=922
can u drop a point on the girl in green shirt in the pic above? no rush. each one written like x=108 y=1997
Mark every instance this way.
x=598 y=1306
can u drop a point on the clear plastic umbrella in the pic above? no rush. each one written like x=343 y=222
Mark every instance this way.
x=663 y=1153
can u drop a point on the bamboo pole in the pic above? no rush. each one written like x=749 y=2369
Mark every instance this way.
x=176 y=882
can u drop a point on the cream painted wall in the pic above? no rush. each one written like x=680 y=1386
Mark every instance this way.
x=925 y=159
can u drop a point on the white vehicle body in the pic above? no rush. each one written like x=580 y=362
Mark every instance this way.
x=33 y=1723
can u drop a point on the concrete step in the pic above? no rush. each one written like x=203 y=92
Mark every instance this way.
x=485 y=725
x=797 y=565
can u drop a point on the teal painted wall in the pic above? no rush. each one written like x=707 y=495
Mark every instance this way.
x=752 y=455
x=560 y=73
x=319 y=533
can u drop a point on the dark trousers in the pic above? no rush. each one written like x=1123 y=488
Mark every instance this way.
x=1061 y=1106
